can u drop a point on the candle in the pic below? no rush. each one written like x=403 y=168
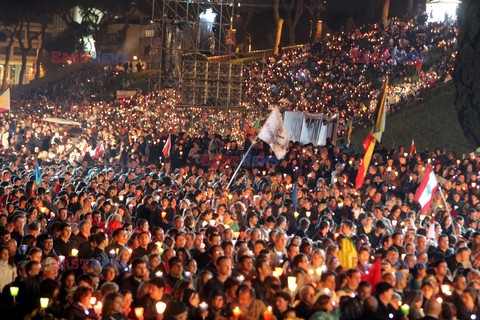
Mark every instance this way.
x=164 y=214
x=43 y=209
x=240 y=279
x=203 y=306
x=237 y=312
x=14 y=291
x=405 y=309
x=296 y=214
x=446 y=289
x=93 y=300
x=439 y=300
x=160 y=306
x=112 y=253
x=236 y=235
x=267 y=314
x=159 y=274
x=292 y=283
x=74 y=252
x=139 y=312
x=98 y=307
x=44 y=303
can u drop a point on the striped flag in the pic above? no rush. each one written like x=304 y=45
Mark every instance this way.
x=413 y=149
x=167 y=147
x=427 y=189
x=99 y=151
x=5 y=101
x=374 y=137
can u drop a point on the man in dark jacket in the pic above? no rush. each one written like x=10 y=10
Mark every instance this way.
x=139 y=270
x=156 y=289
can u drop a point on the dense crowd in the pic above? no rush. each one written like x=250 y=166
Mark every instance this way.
x=121 y=217
x=340 y=75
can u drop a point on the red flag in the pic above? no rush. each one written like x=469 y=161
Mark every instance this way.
x=374 y=276
x=167 y=147
x=413 y=149
x=368 y=145
x=99 y=151
x=427 y=189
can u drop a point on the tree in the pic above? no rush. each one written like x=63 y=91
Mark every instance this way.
x=293 y=12
x=314 y=8
x=10 y=25
x=467 y=68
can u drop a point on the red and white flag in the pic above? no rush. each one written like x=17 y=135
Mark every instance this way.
x=427 y=189
x=413 y=149
x=99 y=151
x=167 y=147
x=5 y=101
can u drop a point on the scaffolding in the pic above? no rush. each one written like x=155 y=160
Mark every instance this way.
x=187 y=33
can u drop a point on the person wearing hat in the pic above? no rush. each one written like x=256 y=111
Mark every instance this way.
x=384 y=294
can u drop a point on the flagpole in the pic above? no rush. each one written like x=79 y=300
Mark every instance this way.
x=241 y=162
x=448 y=210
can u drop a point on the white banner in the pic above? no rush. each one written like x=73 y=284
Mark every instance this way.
x=312 y=124
x=274 y=134
x=310 y=127
x=293 y=124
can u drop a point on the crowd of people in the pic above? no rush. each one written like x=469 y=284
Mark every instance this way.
x=120 y=217
x=340 y=74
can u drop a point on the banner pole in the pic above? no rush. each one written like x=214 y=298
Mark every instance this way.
x=241 y=162
x=448 y=210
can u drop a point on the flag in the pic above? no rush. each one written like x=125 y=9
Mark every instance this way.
x=274 y=134
x=295 y=197
x=124 y=94
x=349 y=135
x=413 y=149
x=348 y=254
x=374 y=137
x=5 y=101
x=374 y=275
x=167 y=147
x=257 y=125
x=427 y=189
x=99 y=151
x=38 y=176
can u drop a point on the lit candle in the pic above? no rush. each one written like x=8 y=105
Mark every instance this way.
x=44 y=303
x=112 y=253
x=405 y=309
x=14 y=291
x=93 y=300
x=203 y=306
x=74 y=252
x=446 y=289
x=139 y=312
x=241 y=279
x=98 y=307
x=267 y=314
x=160 y=306
x=159 y=274
x=237 y=312
x=164 y=214
x=292 y=283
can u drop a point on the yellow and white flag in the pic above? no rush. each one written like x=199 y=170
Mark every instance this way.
x=273 y=132
x=5 y=101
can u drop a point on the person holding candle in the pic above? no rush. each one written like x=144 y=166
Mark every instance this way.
x=154 y=290
x=8 y=271
x=79 y=309
x=63 y=244
x=414 y=300
x=250 y=307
